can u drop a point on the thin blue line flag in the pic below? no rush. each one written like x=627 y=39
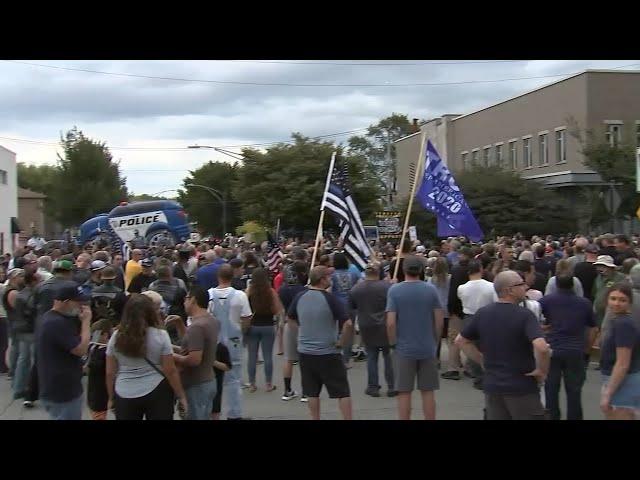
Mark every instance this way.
x=440 y=194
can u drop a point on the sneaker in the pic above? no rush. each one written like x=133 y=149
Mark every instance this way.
x=372 y=391
x=245 y=385
x=392 y=393
x=451 y=375
x=27 y=404
x=289 y=395
x=304 y=399
x=361 y=357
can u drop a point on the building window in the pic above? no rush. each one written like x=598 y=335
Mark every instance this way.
x=526 y=152
x=561 y=147
x=474 y=158
x=543 y=152
x=614 y=135
x=499 y=155
x=486 y=156
x=513 y=155
x=3 y=177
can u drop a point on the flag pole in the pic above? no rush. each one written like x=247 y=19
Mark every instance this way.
x=319 y=232
x=413 y=194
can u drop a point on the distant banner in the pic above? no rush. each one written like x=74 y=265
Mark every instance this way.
x=389 y=225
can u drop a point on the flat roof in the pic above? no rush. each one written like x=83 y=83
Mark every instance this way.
x=543 y=87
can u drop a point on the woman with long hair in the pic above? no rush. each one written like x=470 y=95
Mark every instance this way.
x=441 y=279
x=142 y=377
x=265 y=305
x=620 y=358
x=563 y=268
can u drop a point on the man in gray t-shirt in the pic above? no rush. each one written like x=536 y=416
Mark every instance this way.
x=318 y=318
x=369 y=299
x=414 y=324
x=198 y=354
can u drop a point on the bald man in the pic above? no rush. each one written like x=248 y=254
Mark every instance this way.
x=133 y=267
x=507 y=340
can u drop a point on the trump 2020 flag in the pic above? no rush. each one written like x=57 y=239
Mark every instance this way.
x=440 y=194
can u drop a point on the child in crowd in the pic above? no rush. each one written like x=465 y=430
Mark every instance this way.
x=97 y=396
x=221 y=365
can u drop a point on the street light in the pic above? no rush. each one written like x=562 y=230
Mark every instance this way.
x=221 y=197
x=234 y=155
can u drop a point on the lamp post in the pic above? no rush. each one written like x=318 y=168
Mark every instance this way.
x=221 y=197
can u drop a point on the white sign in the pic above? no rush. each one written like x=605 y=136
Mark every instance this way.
x=413 y=234
x=194 y=237
x=127 y=226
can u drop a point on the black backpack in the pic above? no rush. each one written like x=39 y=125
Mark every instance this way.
x=103 y=307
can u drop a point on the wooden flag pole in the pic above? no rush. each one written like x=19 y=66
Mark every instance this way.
x=319 y=232
x=413 y=194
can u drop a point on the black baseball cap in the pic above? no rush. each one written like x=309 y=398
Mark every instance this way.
x=72 y=291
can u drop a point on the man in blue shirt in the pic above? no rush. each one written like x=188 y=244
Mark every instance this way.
x=414 y=325
x=568 y=319
x=207 y=276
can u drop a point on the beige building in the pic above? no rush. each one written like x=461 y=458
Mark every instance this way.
x=30 y=213
x=534 y=133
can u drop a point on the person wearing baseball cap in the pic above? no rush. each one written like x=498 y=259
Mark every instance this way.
x=415 y=318
x=607 y=277
x=96 y=268
x=146 y=277
x=61 y=342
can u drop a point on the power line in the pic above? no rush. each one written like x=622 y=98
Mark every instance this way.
x=275 y=84
x=178 y=149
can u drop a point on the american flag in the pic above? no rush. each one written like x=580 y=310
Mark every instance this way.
x=274 y=254
x=339 y=203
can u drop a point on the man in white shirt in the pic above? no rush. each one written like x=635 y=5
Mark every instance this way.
x=36 y=242
x=231 y=308
x=474 y=295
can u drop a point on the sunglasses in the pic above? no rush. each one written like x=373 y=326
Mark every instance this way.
x=518 y=284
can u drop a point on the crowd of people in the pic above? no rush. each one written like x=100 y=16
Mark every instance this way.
x=179 y=329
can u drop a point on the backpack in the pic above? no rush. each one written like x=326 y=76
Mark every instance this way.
x=103 y=307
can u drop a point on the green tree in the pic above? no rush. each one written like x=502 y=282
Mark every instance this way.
x=144 y=197
x=287 y=182
x=202 y=204
x=377 y=147
x=503 y=203
x=88 y=180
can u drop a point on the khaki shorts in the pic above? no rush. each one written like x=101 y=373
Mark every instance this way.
x=290 y=340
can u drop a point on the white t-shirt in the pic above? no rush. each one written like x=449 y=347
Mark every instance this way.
x=476 y=294
x=239 y=303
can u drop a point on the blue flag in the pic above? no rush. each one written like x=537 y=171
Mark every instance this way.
x=440 y=194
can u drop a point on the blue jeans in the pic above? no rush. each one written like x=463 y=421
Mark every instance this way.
x=570 y=368
x=13 y=353
x=26 y=348
x=200 y=399
x=233 y=391
x=264 y=336
x=71 y=410
x=372 y=366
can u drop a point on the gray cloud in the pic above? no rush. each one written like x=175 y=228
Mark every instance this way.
x=37 y=103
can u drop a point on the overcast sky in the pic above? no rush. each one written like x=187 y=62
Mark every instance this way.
x=37 y=103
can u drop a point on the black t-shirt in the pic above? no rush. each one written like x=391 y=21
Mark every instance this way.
x=504 y=333
x=141 y=283
x=624 y=332
x=545 y=266
x=59 y=370
x=540 y=282
x=288 y=292
x=587 y=273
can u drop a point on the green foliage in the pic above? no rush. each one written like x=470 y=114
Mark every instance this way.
x=252 y=231
x=202 y=205
x=143 y=197
x=372 y=147
x=503 y=203
x=287 y=182
x=41 y=179
x=88 y=180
